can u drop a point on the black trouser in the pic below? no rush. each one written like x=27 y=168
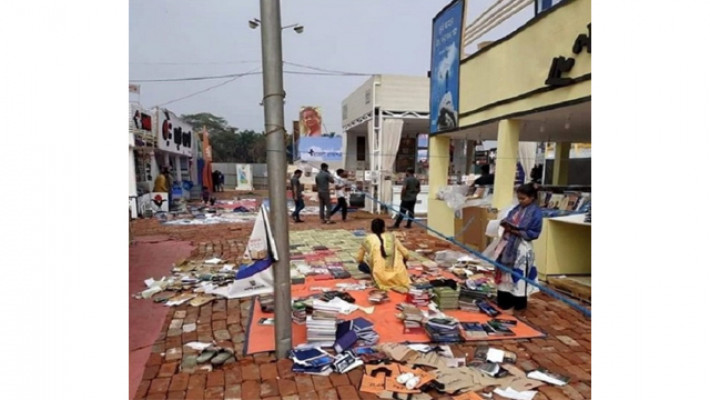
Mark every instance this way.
x=342 y=206
x=407 y=207
x=364 y=268
x=300 y=205
x=324 y=205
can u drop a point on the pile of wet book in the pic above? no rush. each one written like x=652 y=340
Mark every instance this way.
x=411 y=316
x=298 y=312
x=418 y=297
x=467 y=301
x=321 y=328
x=312 y=360
x=348 y=333
x=377 y=296
x=443 y=330
x=446 y=298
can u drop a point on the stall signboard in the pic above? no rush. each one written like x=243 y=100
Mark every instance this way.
x=445 y=58
x=141 y=120
x=321 y=148
x=174 y=134
x=154 y=201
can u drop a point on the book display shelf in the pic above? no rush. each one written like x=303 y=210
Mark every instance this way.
x=565 y=244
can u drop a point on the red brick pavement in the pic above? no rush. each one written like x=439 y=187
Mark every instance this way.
x=566 y=349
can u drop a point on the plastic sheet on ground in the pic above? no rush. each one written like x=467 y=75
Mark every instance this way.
x=214 y=218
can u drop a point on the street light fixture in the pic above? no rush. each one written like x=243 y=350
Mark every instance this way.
x=255 y=22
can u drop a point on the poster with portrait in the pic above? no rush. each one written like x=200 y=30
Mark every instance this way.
x=310 y=121
x=445 y=57
x=244 y=177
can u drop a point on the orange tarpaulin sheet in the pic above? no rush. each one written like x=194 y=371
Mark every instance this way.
x=260 y=338
x=207 y=156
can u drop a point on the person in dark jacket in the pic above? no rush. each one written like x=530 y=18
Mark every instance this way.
x=323 y=181
x=410 y=190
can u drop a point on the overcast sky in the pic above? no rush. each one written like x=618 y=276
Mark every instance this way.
x=190 y=38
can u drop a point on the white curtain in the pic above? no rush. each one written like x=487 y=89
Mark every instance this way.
x=526 y=155
x=391 y=136
x=370 y=162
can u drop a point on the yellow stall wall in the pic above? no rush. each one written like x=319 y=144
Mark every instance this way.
x=513 y=72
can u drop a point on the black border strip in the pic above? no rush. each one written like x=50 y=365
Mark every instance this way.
x=247 y=330
x=521 y=113
x=544 y=89
x=531 y=22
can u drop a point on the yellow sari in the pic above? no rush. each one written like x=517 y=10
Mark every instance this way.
x=389 y=272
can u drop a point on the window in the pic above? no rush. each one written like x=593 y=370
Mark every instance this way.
x=422 y=153
x=361 y=148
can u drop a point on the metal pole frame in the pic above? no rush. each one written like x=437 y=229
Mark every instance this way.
x=272 y=67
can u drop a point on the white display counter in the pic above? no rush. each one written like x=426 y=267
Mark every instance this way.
x=564 y=247
x=422 y=200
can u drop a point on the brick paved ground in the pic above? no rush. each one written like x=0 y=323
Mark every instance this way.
x=566 y=349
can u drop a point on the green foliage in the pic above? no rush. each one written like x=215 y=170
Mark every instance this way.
x=228 y=143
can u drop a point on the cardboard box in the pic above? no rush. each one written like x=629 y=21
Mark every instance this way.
x=475 y=233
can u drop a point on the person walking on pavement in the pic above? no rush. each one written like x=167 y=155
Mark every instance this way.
x=410 y=190
x=323 y=181
x=340 y=189
x=297 y=193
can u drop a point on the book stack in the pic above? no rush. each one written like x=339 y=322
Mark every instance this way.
x=547 y=376
x=365 y=331
x=480 y=286
x=499 y=327
x=443 y=330
x=430 y=266
x=296 y=277
x=339 y=272
x=311 y=360
x=473 y=330
x=446 y=298
x=418 y=297
x=298 y=312
x=487 y=308
x=411 y=317
x=467 y=300
x=378 y=296
x=321 y=328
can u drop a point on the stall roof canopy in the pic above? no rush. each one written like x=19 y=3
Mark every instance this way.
x=571 y=123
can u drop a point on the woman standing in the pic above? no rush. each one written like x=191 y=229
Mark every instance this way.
x=522 y=225
x=383 y=256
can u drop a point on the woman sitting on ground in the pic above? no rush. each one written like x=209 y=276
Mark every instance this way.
x=383 y=256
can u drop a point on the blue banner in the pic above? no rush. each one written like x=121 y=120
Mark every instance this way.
x=320 y=148
x=445 y=57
